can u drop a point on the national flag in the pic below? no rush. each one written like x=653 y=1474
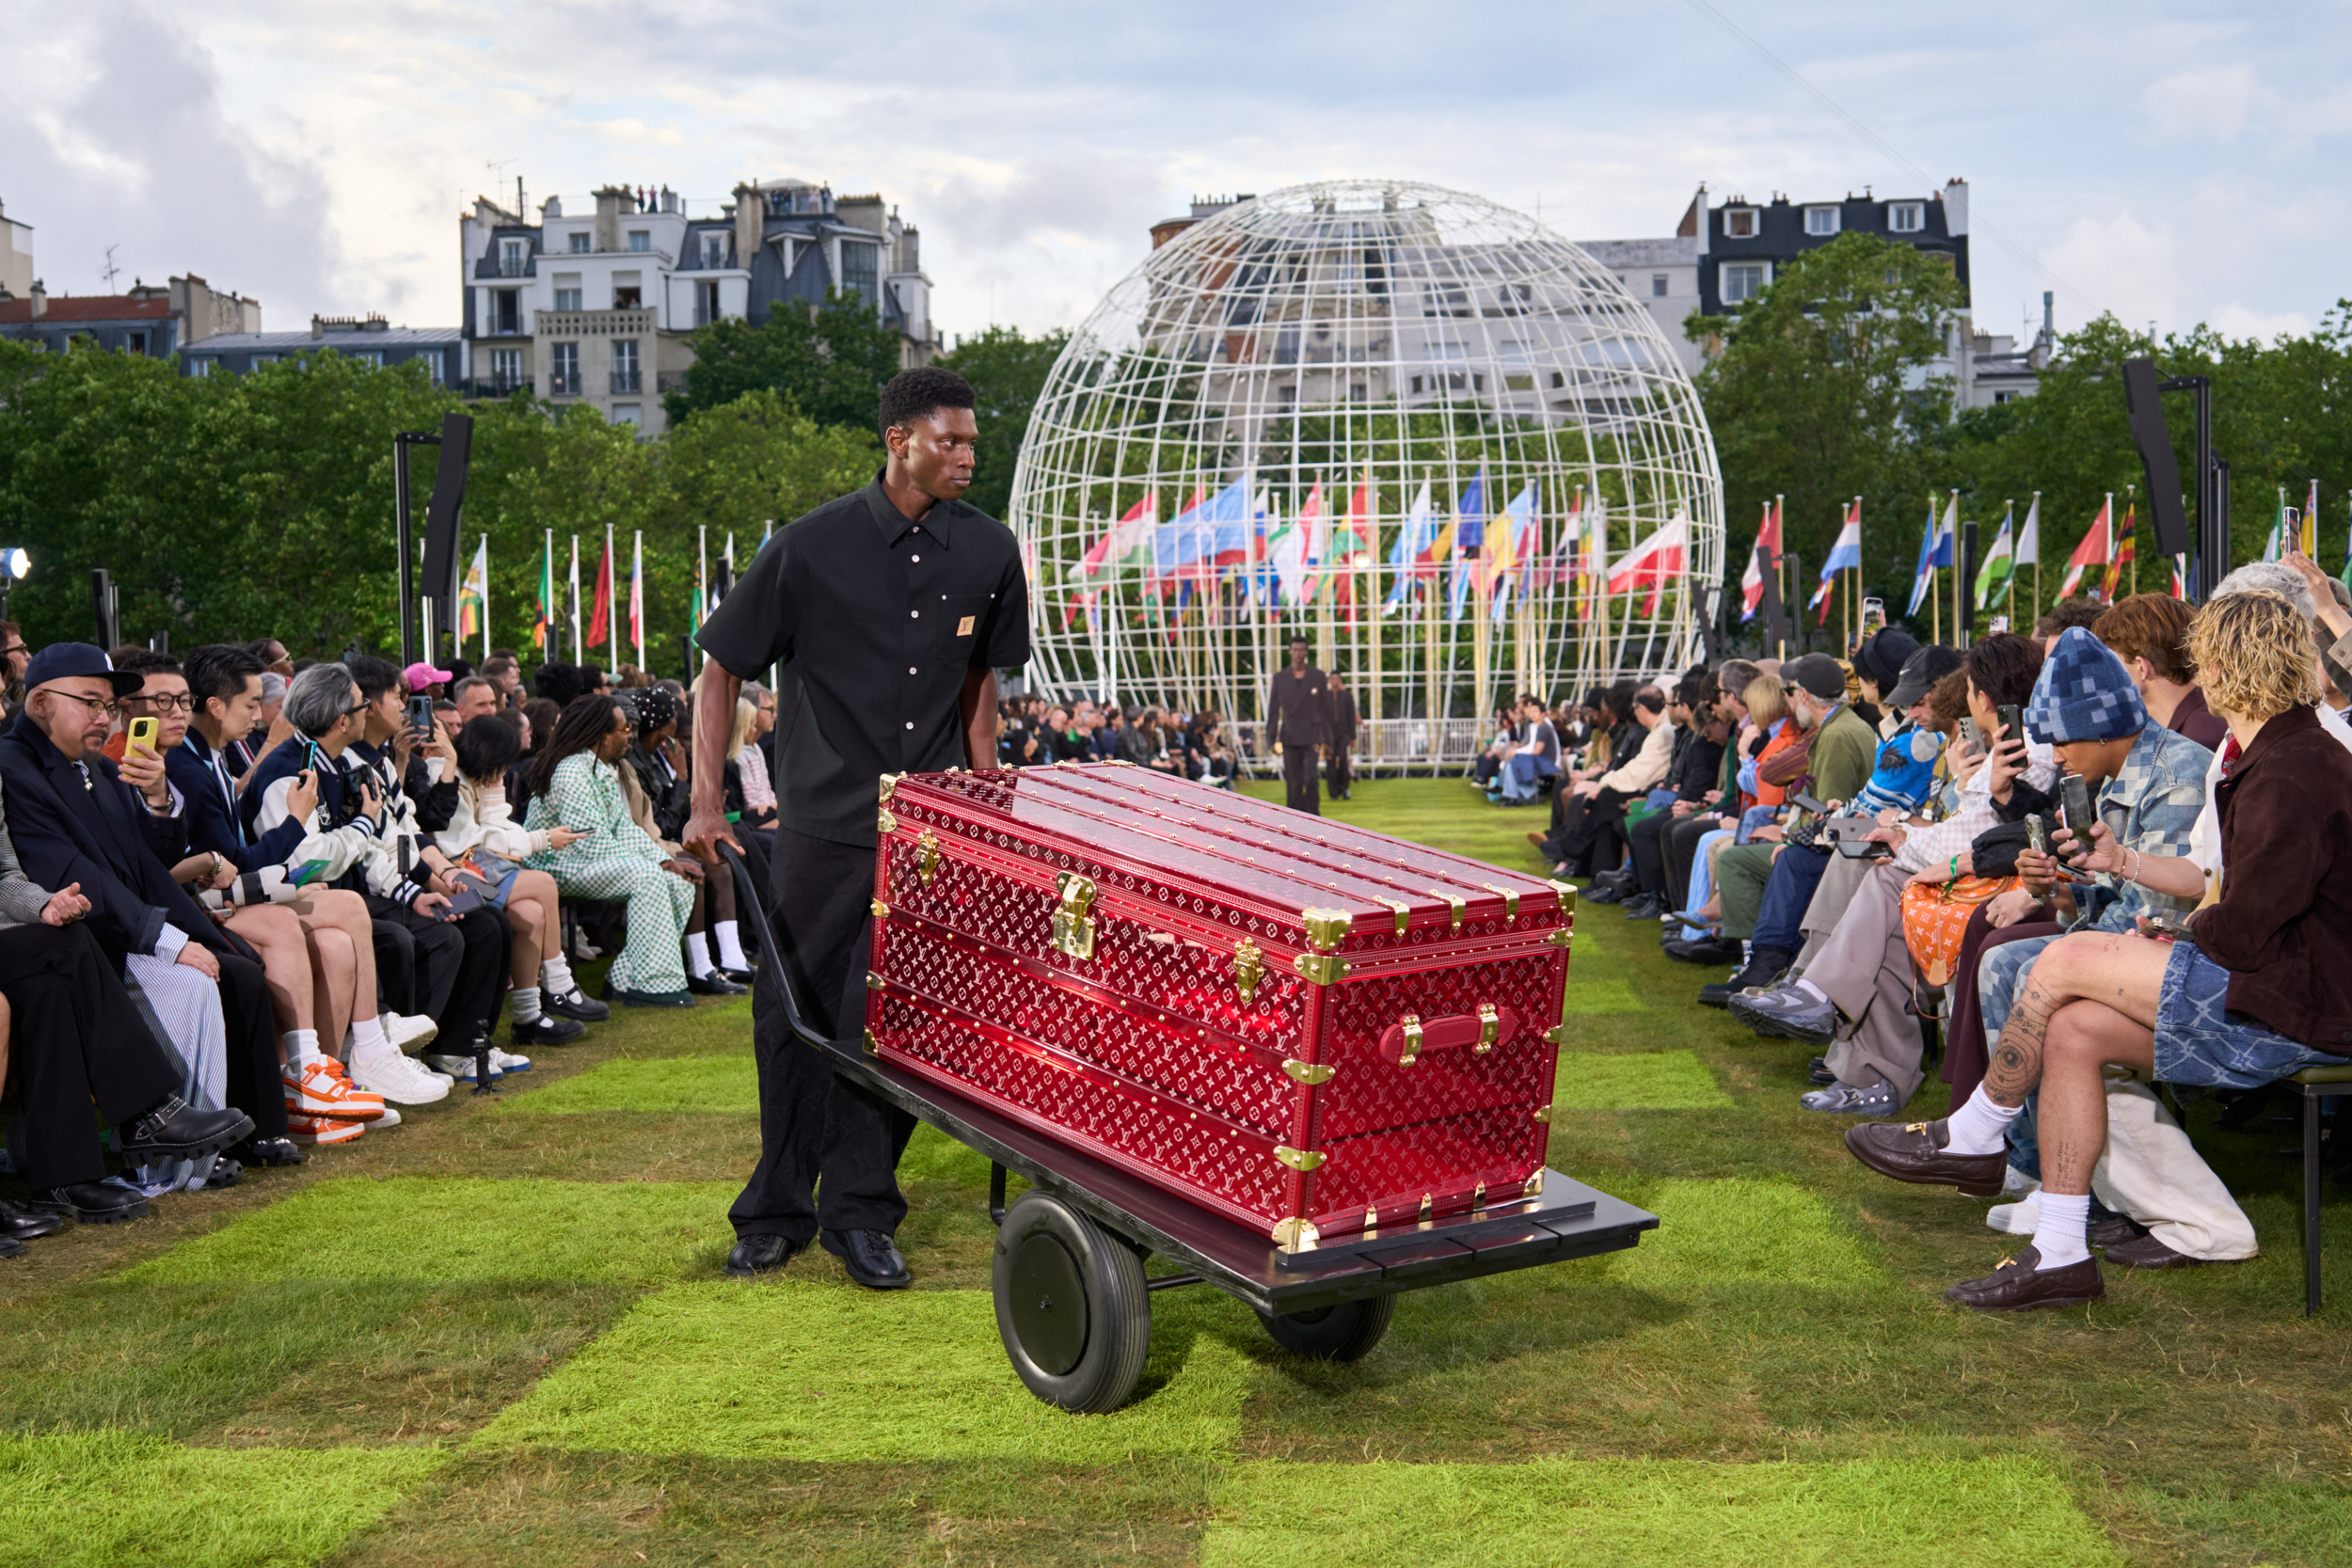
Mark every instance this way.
x=1763 y=558
x=1413 y=543
x=1468 y=532
x=1935 y=549
x=1658 y=560
x=473 y=593
x=601 y=615
x=1514 y=535
x=1530 y=546
x=2093 y=551
x=2125 y=552
x=1999 y=566
x=575 y=590
x=1845 y=555
x=1289 y=549
x=543 y=628
x=2310 y=524
x=2029 y=537
x=2282 y=525
x=2180 y=588
x=637 y=593
x=1211 y=533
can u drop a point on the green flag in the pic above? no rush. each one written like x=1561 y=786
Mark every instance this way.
x=2000 y=562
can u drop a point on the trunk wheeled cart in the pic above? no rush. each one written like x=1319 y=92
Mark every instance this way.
x=1073 y=1299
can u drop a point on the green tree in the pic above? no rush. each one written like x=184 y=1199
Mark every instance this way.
x=828 y=360
x=1006 y=372
x=1813 y=394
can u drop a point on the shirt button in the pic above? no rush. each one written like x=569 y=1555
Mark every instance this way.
x=909 y=669
x=918 y=558
x=914 y=614
x=910 y=723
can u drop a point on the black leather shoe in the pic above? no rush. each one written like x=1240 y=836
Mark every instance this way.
x=269 y=1151
x=756 y=1255
x=1919 y=1152
x=740 y=976
x=177 y=1131
x=19 y=1225
x=628 y=998
x=2021 y=1285
x=1599 y=891
x=1645 y=906
x=870 y=1255
x=1712 y=950
x=576 y=1005
x=714 y=984
x=91 y=1202
x=546 y=1029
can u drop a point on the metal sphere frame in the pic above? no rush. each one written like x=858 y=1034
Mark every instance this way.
x=1321 y=355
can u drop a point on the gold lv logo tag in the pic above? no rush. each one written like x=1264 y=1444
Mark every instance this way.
x=963 y=627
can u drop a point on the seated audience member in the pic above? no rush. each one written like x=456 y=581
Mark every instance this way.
x=1691 y=775
x=576 y=784
x=1879 y=660
x=2148 y=787
x=1856 y=994
x=425 y=963
x=1588 y=811
x=75 y=1039
x=1689 y=822
x=14 y=657
x=2148 y=633
x=274 y=658
x=1765 y=887
x=656 y=782
x=316 y=942
x=1534 y=759
x=548 y=1005
x=79 y=820
x=750 y=794
x=1487 y=770
x=2260 y=983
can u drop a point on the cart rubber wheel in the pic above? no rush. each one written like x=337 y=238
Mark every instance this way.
x=1343 y=1333
x=1071 y=1305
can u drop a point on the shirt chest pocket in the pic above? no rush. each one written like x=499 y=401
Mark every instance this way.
x=963 y=624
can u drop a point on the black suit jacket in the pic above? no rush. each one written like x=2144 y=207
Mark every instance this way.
x=120 y=852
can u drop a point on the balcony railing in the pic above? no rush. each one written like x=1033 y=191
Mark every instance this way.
x=628 y=380
x=633 y=322
x=493 y=387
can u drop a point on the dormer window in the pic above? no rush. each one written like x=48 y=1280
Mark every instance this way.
x=1740 y=223
x=1821 y=220
x=1906 y=217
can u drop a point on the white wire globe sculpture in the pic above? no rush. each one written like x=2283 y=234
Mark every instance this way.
x=1418 y=428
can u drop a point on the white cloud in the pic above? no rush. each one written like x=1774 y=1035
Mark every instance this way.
x=2236 y=321
x=2214 y=102
x=2126 y=266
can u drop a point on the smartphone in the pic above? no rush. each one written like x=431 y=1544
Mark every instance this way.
x=143 y=732
x=1873 y=617
x=2074 y=799
x=1850 y=834
x=2012 y=720
x=2168 y=924
x=1972 y=735
x=1804 y=802
x=421 y=717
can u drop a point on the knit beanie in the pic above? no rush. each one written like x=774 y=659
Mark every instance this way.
x=2084 y=693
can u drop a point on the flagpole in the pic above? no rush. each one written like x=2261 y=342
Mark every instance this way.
x=1370 y=610
x=613 y=597
x=580 y=653
x=2131 y=494
x=1960 y=564
x=636 y=595
x=549 y=648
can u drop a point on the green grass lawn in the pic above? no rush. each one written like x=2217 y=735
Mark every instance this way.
x=499 y=1334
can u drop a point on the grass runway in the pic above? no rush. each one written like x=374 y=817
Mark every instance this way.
x=499 y=1334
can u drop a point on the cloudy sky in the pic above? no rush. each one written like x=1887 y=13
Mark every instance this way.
x=2169 y=162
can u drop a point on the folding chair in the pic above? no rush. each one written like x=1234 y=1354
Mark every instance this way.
x=2314 y=1083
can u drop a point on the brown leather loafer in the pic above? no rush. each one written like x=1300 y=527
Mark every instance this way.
x=2018 y=1286
x=1914 y=1152
x=2114 y=1230
x=2144 y=1251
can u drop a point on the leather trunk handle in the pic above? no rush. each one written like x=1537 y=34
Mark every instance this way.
x=1405 y=1040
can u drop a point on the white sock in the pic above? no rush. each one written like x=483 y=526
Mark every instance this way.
x=697 y=957
x=1980 y=1127
x=730 y=944
x=526 y=1003
x=300 y=1046
x=1811 y=990
x=2060 y=1234
x=367 y=1033
x=555 y=977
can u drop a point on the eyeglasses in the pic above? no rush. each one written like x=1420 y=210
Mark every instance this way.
x=14 y=648
x=354 y=709
x=171 y=701
x=96 y=704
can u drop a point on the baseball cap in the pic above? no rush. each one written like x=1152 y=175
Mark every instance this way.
x=1816 y=673
x=1921 y=670
x=62 y=660
x=420 y=674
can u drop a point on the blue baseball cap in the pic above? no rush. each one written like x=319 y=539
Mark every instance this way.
x=61 y=660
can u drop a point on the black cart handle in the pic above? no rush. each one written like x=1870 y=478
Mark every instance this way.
x=747 y=892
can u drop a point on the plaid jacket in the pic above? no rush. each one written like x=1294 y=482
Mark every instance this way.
x=2151 y=805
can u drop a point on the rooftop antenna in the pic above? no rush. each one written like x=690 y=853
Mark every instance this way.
x=109 y=270
x=494 y=175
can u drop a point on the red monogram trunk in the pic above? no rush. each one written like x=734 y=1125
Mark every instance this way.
x=1305 y=1027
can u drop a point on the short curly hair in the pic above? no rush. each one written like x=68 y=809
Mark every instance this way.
x=918 y=393
x=2255 y=654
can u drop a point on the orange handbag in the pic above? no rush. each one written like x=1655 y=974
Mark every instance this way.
x=1935 y=920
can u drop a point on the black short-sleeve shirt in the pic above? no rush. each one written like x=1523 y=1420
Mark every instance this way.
x=874 y=620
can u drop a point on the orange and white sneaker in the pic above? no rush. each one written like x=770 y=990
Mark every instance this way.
x=321 y=1090
x=305 y=1129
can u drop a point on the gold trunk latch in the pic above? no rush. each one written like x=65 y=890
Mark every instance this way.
x=1403 y=912
x=1412 y=1040
x=1308 y=1073
x=1510 y=900
x=1488 y=1026
x=1325 y=928
x=926 y=857
x=1249 y=969
x=1454 y=904
x=1300 y=1160
x=1073 y=929
x=1295 y=1235
x=885 y=823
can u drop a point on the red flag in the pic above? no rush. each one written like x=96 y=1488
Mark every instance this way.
x=601 y=615
x=2095 y=549
x=2124 y=552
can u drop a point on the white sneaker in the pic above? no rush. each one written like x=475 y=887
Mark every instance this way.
x=506 y=1061
x=460 y=1068
x=404 y=1031
x=387 y=1072
x=389 y=1118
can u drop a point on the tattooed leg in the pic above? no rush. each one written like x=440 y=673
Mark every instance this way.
x=2082 y=1039
x=2124 y=972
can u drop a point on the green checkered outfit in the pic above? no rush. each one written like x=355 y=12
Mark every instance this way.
x=617 y=862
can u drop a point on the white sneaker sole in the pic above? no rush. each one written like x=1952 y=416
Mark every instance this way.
x=412 y=1031
x=417 y=1090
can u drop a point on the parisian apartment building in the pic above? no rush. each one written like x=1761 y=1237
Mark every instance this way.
x=592 y=302
x=154 y=320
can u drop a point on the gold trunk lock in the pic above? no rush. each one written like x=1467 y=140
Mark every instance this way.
x=926 y=857
x=1073 y=929
x=1249 y=969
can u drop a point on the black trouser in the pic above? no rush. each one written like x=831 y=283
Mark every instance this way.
x=252 y=1084
x=460 y=968
x=78 y=1038
x=1682 y=848
x=1647 y=840
x=396 y=966
x=1338 y=775
x=818 y=1133
x=1298 y=777
x=1590 y=831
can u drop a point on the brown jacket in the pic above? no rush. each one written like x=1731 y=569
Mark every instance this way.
x=2284 y=923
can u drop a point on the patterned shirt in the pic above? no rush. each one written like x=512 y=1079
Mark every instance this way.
x=2151 y=805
